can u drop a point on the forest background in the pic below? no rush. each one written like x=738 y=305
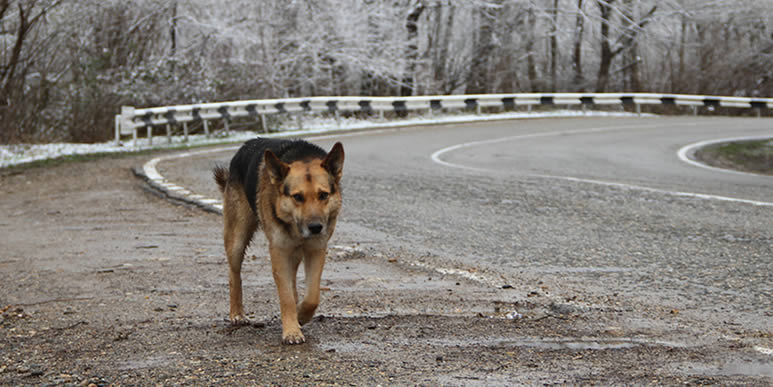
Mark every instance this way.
x=66 y=66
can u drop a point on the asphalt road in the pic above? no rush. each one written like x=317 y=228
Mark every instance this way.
x=585 y=206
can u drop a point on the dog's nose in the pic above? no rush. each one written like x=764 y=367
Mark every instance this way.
x=315 y=228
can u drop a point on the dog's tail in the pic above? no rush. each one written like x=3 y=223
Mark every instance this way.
x=221 y=176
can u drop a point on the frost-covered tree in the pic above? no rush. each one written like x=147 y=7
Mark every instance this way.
x=67 y=66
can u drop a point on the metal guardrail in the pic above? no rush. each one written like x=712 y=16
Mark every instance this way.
x=131 y=119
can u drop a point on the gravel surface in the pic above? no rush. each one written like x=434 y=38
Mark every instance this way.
x=103 y=282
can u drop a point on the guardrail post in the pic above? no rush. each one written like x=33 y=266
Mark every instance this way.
x=127 y=120
x=225 y=125
x=299 y=120
x=759 y=112
x=338 y=118
x=150 y=135
x=263 y=123
x=168 y=133
x=528 y=107
x=638 y=110
x=185 y=132
x=694 y=110
x=381 y=115
x=206 y=127
x=117 y=130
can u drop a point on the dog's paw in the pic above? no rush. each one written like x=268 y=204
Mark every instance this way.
x=293 y=338
x=305 y=315
x=238 y=320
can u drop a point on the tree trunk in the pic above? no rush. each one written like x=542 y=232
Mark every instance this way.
x=704 y=48
x=436 y=43
x=477 y=80
x=442 y=60
x=531 y=67
x=554 y=48
x=677 y=83
x=411 y=50
x=173 y=28
x=507 y=78
x=579 y=28
x=605 y=6
x=634 y=78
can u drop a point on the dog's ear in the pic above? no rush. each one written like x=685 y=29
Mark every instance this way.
x=277 y=170
x=334 y=162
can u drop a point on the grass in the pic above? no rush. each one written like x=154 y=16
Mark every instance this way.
x=79 y=158
x=51 y=162
x=748 y=156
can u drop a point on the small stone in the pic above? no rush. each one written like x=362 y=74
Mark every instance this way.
x=562 y=308
x=514 y=315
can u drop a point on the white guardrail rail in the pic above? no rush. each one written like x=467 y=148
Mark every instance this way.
x=131 y=119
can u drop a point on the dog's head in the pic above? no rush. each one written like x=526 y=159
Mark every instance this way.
x=309 y=192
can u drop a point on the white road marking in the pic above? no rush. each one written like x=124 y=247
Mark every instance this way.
x=436 y=157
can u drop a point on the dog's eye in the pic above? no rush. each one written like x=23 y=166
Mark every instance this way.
x=323 y=195
x=298 y=198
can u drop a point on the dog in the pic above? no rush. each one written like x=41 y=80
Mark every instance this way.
x=292 y=190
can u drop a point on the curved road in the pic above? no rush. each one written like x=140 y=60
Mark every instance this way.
x=575 y=208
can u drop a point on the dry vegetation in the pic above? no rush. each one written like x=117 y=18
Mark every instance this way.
x=66 y=66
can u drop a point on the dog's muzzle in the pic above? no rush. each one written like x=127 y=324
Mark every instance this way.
x=312 y=229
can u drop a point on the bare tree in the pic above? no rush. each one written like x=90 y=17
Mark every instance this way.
x=66 y=67
x=626 y=39
x=579 y=29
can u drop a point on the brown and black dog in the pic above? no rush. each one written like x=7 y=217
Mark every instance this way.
x=292 y=190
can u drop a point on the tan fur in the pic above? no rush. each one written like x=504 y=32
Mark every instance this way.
x=286 y=223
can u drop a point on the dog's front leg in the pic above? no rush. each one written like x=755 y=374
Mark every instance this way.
x=313 y=263
x=284 y=267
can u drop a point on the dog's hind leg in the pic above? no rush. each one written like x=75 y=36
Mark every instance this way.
x=239 y=224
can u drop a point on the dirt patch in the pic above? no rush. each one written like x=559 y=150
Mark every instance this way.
x=104 y=283
x=747 y=156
